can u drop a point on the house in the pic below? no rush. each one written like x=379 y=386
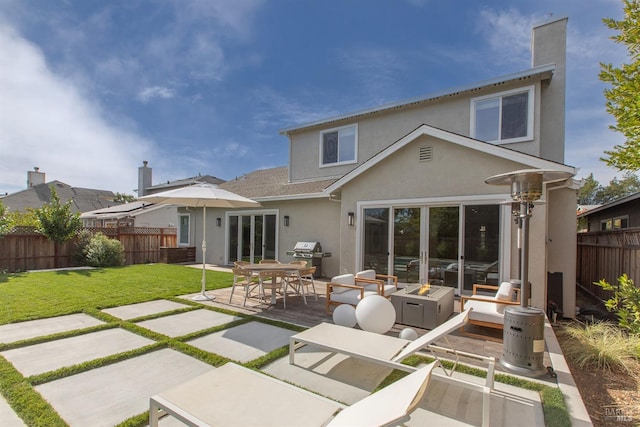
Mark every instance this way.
x=401 y=187
x=145 y=186
x=38 y=193
x=617 y=215
x=132 y=214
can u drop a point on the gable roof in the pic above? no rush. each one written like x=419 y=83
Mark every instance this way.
x=273 y=184
x=606 y=206
x=124 y=210
x=543 y=72
x=183 y=183
x=474 y=144
x=84 y=199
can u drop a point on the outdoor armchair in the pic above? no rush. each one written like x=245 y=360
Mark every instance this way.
x=488 y=310
x=389 y=284
x=347 y=289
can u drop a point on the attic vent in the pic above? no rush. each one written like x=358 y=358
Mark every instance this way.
x=426 y=154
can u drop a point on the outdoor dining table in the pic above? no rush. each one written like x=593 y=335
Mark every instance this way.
x=257 y=268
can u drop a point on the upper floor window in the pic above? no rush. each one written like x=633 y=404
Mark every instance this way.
x=338 y=146
x=503 y=117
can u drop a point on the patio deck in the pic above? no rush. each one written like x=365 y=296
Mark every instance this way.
x=313 y=313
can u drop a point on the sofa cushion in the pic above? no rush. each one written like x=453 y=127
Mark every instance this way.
x=505 y=291
x=366 y=274
x=485 y=311
x=349 y=296
x=345 y=279
x=388 y=289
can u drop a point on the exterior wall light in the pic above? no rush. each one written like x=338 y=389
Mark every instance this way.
x=286 y=220
x=351 y=219
x=219 y=222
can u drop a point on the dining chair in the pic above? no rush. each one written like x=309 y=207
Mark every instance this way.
x=275 y=280
x=301 y=281
x=244 y=278
x=269 y=261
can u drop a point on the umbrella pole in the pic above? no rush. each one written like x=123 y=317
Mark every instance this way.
x=203 y=296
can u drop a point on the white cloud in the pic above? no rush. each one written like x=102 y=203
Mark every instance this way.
x=508 y=33
x=45 y=121
x=155 y=92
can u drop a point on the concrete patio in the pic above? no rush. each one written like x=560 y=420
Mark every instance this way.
x=112 y=393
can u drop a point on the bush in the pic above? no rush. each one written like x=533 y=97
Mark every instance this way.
x=82 y=242
x=625 y=303
x=599 y=345
x=102 y=251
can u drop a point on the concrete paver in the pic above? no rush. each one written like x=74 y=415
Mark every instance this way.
x=108 y=395
x=148 y=308
x=244 y=342
x=13 y=332
x=48 y=356
x=185 y=323
x=8 y=417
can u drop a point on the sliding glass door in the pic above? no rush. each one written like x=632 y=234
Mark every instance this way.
x=454 y=246
x=251 y=237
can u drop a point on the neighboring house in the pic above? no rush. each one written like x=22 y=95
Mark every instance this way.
x=133 y=214
x=401 y=187
x=167 y=216
x=617 y=215
x=38 y=194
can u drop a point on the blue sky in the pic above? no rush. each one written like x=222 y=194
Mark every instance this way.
x=91 y=88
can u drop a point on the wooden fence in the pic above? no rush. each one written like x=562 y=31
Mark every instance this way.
x=607 y=255
x=25 y=249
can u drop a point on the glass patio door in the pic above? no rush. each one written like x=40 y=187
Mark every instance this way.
x=251 y=237
x=453 y=246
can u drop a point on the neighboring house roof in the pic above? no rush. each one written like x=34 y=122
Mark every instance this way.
x=273 y=184
x=611 y=204
x=124 y=210
x=184 y=182
x=585 y=208
x=84 y=199
x=485 y=147
x=543 y=72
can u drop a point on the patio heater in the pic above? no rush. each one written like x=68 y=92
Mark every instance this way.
x=523 y=333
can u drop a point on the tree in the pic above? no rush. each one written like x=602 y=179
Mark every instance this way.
x=587 y=193
x=123 y=198
x=5 y=224
x=57 y=222
x=622 y=98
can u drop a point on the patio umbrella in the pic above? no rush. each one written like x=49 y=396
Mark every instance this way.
x=205 y=196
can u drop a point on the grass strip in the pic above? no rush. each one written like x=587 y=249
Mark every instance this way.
x=25 y=401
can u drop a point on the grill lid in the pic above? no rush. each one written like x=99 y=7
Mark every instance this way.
x=307 y=247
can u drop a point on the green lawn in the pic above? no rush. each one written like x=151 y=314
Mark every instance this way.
x=27 y=296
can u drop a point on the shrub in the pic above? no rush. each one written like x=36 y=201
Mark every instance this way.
x=102 y=251
x=625 y=303
x=82 y=242
x=599 y=345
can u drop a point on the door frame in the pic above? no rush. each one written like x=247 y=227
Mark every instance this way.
x=505 y=247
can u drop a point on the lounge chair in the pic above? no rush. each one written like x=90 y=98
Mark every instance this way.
x=488 y=310
x=391 y=351
x=232 y=395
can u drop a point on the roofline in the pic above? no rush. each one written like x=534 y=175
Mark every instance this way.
x=540 y=70
x=611 y=204
x=485 y=147
x=302 y=196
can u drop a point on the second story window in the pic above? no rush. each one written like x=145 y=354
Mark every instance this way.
x=338 y=146
x=503 y=117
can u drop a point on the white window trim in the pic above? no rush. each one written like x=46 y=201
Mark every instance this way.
x=180 y=215
x=321 y=146
x=530 y=118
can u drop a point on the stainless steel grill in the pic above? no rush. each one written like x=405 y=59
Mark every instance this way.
x=311 y=252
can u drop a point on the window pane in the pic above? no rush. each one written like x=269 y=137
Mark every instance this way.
x=184 y=230
x=487 y=119
x=347 y=145
x=233 y=238
x=330 y=148
x=406 y=244
x=376 y=239
x=514 y=115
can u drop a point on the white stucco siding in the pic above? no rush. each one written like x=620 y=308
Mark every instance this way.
x=378 y=131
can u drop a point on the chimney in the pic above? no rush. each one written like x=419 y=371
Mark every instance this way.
x=549 y=46
x=35 y=177
x=144 y=179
